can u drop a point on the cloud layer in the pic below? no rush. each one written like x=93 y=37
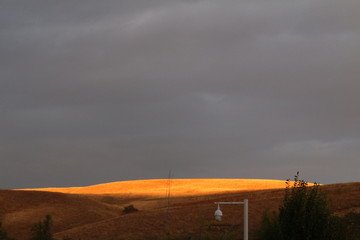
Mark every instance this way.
x=98 y=91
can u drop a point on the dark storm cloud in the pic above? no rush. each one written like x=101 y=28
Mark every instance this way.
x=103 y=91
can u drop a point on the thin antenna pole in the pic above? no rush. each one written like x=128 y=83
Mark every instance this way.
x=168 y=192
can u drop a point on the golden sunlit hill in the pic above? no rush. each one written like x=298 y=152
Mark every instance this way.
x=177 y=187
x=169 y=207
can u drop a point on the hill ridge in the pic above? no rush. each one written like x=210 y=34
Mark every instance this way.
x=178 y=187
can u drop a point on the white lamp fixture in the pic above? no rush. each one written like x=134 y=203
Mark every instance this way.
x=219 y=214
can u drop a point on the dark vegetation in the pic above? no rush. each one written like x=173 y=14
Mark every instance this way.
x=39 y=231
x=129 y=209
x=304 y=215
x=42 y=229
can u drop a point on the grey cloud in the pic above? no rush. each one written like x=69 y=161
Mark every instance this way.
x=207 y=88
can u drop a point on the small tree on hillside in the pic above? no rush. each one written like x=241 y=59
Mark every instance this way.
x=42 y=229
x=129 y=209
x=304 y=215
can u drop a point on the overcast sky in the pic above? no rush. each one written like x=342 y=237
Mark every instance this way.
x=100 y=91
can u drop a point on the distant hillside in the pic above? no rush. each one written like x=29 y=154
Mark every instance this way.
x=95 y=212
x=177 y=187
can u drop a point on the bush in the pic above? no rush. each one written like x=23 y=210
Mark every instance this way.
x=42 y=229
x=303 y=215
x=129 y=209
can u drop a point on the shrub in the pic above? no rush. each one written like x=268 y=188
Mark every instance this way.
x=129 y=209
x=303 y=215
x=42 y=229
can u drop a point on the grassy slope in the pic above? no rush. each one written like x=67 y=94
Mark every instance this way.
x=19 y=210
x=195 y=214
x=178 y=187
x=189 y=209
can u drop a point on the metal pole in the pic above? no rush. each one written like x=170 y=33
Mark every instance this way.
x=246 y=215
x=246 y=219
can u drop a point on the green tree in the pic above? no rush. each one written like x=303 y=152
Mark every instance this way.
x=303 y=215
x=42 y=229
x=3 y=234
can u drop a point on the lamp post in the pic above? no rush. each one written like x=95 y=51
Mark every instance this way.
x=219 y=214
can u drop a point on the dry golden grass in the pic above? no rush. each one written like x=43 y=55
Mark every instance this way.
x=194 y=214
x=20 y=209
x=177 y=187
x=94 y=212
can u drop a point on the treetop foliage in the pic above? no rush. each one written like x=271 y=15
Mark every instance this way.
x=304 y=215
